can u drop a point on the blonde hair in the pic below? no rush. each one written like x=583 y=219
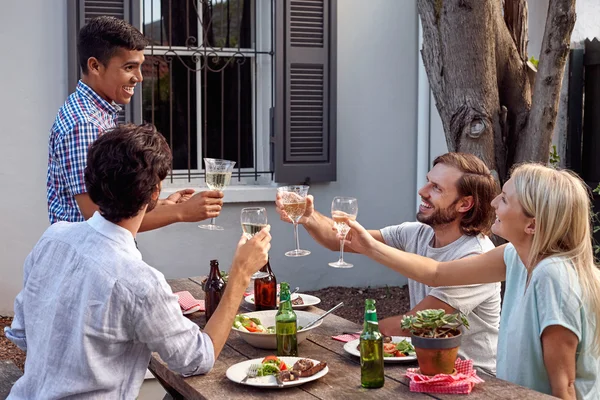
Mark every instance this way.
x=560 y=203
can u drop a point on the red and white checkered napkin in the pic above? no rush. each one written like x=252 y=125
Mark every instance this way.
x=188 y=303
x=462 y=382
x=347 y=337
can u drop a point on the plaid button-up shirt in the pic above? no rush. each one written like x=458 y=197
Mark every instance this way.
x=84 y=116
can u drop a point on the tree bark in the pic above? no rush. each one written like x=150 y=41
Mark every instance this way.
x=515 y=16
x=476 y=59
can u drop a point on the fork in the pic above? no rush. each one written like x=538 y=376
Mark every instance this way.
x=251 y=373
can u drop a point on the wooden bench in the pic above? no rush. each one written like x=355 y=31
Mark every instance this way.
x=9 y=373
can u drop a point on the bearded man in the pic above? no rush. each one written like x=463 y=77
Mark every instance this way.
x=454 y=217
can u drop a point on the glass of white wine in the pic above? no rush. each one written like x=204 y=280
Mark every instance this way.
x=342 y=210
x=253 y=219
x=218 y=177
x=293 y=199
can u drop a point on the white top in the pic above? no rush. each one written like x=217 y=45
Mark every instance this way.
x=479 y=303
x=90 y=314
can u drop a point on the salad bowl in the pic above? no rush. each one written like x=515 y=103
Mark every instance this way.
x=266 y=339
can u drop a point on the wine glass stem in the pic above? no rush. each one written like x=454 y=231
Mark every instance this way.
x=341 y=251
x=296 y=236
x=212 y=220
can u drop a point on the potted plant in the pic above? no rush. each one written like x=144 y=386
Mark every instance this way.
x=436 y=337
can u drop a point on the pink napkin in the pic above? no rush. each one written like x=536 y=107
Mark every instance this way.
x=462 y=382
x=188 y=303
x=347 y=337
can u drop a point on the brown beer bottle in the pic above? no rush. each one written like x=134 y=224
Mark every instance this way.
x=265 y=290
x=214 y=288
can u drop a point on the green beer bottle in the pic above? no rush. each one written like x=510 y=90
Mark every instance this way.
x=371 y=349
x=285 y=324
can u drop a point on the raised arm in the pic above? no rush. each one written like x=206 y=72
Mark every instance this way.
x=318 y=225
x=181 y=206
x=201 y=206
x=180 y=343
x=485 y=268
x=249 y=258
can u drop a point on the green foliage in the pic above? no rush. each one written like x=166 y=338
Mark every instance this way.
x=554 y=157
x=534 y=61
x=433 y=323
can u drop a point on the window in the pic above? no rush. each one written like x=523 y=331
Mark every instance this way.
x=208 y=83
x=253 y=81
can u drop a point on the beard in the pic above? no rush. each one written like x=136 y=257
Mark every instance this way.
x=440 y=216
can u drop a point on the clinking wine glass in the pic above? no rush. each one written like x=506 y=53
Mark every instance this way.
x=218 y=177
x=293 y=199
x=342 y=210
x=253 y=219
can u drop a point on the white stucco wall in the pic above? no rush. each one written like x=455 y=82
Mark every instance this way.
x=377 y=84
x=377 y=61
x=33 y=84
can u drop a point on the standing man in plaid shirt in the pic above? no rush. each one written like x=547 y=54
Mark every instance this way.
x=111 y=53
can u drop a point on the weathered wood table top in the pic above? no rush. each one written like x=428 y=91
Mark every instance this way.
x=342 y=381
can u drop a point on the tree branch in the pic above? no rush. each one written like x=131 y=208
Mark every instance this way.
x=534 y=142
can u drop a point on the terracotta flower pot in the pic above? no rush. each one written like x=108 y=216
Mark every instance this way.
x=437 y=355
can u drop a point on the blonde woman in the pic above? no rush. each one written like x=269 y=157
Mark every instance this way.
x=549 y=337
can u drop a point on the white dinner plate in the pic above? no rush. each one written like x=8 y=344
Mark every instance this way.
x=352 y=348
x=307 y=298
x=238 y=371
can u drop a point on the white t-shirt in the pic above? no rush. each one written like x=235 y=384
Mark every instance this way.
x=479 y=303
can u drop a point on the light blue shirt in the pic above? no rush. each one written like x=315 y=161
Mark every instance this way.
x=90 y=314
x=553 y=297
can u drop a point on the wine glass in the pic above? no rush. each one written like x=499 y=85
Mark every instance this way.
x=293 y=199
x=253 y=219
x=342 y=210
x=218 y=176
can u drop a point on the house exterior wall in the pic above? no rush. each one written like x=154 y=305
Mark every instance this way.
x=377 y=75
x=34 y=85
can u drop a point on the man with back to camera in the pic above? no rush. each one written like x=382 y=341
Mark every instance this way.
x=111 y=53
x=91 y=311
x=454 y=215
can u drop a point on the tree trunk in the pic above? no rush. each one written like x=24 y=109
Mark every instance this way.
x=535 y=144
x=476 y=61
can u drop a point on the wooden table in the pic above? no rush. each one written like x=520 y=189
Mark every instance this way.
x=342 y=381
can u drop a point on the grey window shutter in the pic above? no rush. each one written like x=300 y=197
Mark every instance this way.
x=78 y=13
x=304 y=126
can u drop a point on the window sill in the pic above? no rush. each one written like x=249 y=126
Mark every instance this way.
x=235 y=193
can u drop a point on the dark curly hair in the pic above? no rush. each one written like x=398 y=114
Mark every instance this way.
x=102 y=36
x=124 y=168
x=476 y=181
